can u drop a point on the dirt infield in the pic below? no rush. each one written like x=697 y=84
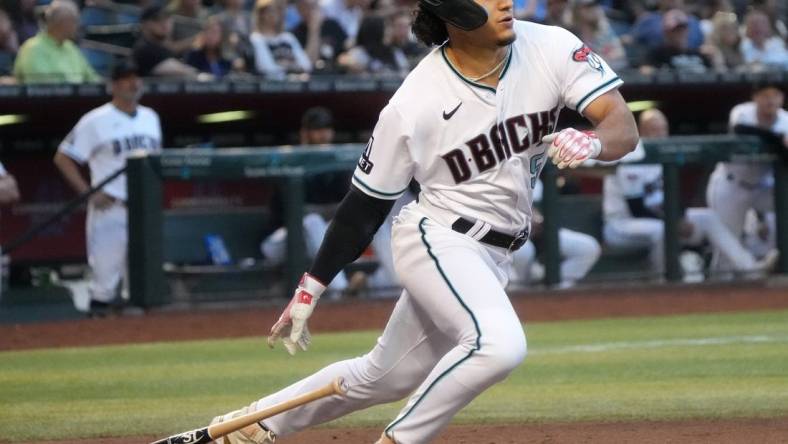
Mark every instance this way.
x=159 y=325
x=761 y=431
x=540 y=306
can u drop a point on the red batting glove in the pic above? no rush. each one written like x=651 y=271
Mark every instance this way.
x=291 y=326
x=570 y=147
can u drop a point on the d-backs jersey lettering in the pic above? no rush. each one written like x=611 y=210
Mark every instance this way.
x=103 y=138
x=476 y=151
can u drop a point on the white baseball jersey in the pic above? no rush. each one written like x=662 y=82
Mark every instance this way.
x=104 y=136
x=753 y=173
x=477 y=151
x=632 y=182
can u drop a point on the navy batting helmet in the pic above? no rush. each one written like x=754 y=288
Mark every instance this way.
x=464 y=14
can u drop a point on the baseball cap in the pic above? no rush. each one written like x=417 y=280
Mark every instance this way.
x=154 y=12
x=673 y=19
x=124 y=69
x=762 y=84
x=317 y=117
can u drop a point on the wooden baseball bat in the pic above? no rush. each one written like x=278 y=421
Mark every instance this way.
x=210 y=433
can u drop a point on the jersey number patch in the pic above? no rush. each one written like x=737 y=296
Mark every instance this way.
x=364 y=164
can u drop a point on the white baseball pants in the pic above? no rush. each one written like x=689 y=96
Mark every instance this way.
x=453 y=333
x=706 y=225
x=731 y=202
x=107 y=244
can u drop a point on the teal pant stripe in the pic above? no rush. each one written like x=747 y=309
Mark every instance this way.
x=470 y=313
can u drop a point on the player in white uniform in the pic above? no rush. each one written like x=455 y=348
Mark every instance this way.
x=473 y=124
x=579 y=252
x=102 y=139
x=736 y=187
x=633 y=211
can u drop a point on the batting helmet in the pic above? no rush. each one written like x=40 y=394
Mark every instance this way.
x=464 y=14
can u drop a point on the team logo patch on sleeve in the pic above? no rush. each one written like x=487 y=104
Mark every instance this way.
x=584 y=54
x=364 y=164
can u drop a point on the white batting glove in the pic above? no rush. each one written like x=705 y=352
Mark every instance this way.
x=570 y=147
x=291 y=326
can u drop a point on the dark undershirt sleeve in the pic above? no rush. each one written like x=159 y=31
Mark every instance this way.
x=356 y=221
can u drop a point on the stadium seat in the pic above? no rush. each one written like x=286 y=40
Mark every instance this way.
x=118 y=35
x=6 y=63
x=101 y=61
x=92 y=15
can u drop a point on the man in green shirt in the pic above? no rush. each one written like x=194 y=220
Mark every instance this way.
x=51 y=56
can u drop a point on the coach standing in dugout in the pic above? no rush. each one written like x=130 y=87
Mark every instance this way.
x=102 y=139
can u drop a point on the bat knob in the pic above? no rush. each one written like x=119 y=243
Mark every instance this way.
x=340 y=386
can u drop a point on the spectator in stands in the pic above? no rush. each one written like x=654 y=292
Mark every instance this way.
x=322 y=37
x=724 y=41
x=51 y=56
x=647 y=31
x=207 y=55
x=402 y=38
x=372 y=54
x=533 y=10
x=8 y=39
x=675 y=52
x=772 y=10
x=317 y=128
x=633 y=211
x=705 y=11
x=558 y=13
x=8 y=44
x=348 y=13
x=151 y=54
x=188 y=19
x=590 y=24
x=236 y=27
x=9 y=190
x=25 y=20
x=276 y=52
x=760 y=47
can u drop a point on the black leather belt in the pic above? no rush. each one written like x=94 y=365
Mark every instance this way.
x=494 y=238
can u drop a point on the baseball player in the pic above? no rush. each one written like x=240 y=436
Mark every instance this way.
x=736 y=187
x=317 y=128
x=579 y=251
x=633 y=212
x=474 y=124
x=101 y=139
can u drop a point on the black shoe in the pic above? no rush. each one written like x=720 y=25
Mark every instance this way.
x=99 y=309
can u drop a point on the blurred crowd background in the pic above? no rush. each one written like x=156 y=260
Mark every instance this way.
x=211 y=39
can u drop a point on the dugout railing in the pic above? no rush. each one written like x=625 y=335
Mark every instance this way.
x=292 y=164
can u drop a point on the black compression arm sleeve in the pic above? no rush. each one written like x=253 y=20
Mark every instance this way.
x=356 y=221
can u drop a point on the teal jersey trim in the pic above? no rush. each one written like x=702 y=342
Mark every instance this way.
x=473 y=318
x=604 y=85
x=369 y=188
x=471 y=82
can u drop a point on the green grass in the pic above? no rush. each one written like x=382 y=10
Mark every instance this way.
x=701 y=366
